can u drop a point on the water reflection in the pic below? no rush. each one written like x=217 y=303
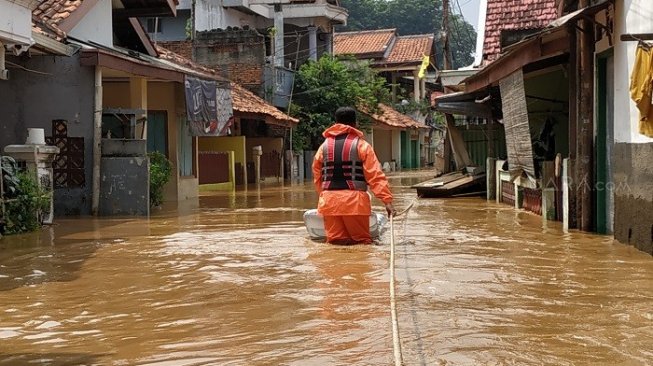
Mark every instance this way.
x=231 y=279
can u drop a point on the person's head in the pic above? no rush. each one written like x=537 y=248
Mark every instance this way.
x=346 y=116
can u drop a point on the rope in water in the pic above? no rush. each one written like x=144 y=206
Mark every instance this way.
x=396 y=341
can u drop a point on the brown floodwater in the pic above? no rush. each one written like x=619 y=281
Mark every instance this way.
x=232 y=279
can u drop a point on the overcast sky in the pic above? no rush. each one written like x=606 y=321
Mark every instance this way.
x=470 y=10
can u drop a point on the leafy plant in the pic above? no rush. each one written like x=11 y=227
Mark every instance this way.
x=9 y=170
x=160 y=173
x=323 y=86
x=25 y=202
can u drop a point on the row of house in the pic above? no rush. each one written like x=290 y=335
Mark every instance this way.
x=95 y=72
x=555 y=78
x=242 y=42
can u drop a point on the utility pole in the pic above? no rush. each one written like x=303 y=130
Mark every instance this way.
x=445 y=35
x=585 y=121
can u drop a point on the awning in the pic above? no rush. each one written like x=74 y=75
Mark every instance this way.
x=475 y=104
x=163 y=68
x=549 y=42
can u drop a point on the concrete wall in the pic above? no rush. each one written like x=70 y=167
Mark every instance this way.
x=383 y=145
x=97 y=25
x=396 y=147
x=212 y=15
x=269 y=144
x=124 y=188
x=15 y=23
x=633 y=195
x=34 y=100
x=631 y=16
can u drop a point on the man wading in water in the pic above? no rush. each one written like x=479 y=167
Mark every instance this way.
x=343 y=168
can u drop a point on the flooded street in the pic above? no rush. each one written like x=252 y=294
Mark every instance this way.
x=234 y=280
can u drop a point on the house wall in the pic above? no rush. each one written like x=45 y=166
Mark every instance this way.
x=238 y=54
x=172 y=28
x=633 y=153
x=96 y=25
x=212 y=15
x=31 y=100
x=633 y=16
x=268 y=144
x=396 y=147
x=168 y=97
x=633 y=195
x=383 y=145
x=15 y=23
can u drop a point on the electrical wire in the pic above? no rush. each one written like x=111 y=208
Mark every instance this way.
x=26 y=69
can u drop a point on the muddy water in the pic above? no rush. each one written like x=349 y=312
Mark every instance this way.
x=233 y=280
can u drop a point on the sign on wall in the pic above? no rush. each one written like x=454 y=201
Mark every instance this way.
x=208 y=107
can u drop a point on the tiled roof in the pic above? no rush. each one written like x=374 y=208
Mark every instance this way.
x=408 y=49
x=385 y=46
x=392 y=118
x=245 y=101
x=514 y=15
x=166 y=54
x=50 y=13
x=363 y=42
x=54 y=11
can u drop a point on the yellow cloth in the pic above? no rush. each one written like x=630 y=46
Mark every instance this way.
x=426 y=61
x=641 y=88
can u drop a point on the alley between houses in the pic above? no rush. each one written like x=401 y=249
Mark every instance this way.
x=232 y=279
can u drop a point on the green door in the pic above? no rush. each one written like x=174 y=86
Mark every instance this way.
x=604 y=140
x=406 y=153
x=414 y=154
x=157 y=123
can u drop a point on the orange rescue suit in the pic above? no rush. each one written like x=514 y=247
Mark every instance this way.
x=350 y=202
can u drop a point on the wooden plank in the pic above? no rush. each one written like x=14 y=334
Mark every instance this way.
x=636 y=37
x=444 y=179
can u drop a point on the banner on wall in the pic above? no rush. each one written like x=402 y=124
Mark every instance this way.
x=208 y=107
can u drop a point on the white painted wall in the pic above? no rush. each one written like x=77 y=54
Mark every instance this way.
x=396 y=147
x=631 y=16
x=15 y=23
x=211 y=15
x=97 y=25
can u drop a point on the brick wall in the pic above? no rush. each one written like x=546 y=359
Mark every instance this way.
x=183 y=48
x=239 y=54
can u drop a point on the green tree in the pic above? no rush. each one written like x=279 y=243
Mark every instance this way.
x=323 y=86
x=415 y=17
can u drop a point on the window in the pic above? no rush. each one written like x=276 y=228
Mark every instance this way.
x=153 y=25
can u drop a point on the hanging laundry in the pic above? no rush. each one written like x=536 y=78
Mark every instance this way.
x=641 y=87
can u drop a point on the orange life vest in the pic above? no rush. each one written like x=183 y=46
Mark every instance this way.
x=342 y=169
